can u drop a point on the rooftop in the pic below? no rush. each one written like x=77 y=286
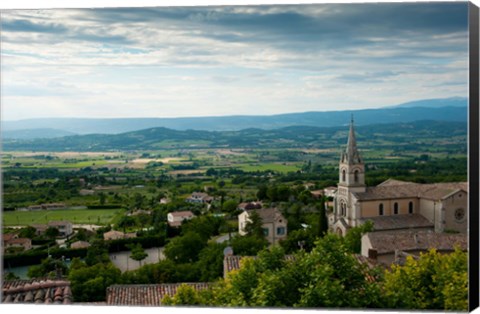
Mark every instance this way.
x=389 y=242
x=268 y=215
x=39 y=291
x=145 y=295
x=392 y=222
x=184 y=213
x=402 y=189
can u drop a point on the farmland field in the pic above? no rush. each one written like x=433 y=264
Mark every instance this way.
x=279 y=167
x=76 y=216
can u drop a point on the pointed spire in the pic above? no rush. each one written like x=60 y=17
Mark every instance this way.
x=351 y=153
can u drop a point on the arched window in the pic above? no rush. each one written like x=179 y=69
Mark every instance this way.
x=344 y=174
x=355 y=176
x=410 y=207
x=343 y=208
x=380 y=209
x=395 y=208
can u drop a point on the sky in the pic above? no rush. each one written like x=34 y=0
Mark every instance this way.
x=230 y=60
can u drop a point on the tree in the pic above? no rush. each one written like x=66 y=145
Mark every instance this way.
x=353 y=238
x=230 y=206
x=299 y=239
x=89 y=283
x=185 y=295
x=27 y=232
x=262 y=192
x=210 y=262
x=138 y=253
x=323 y=220
x=102 y=198
x=254 y=224
x=125 y=222
x=97 y=253
x=47 y=268
x=205 y=226
x=138 y=200
x=52 y=232
x=248 y=245
x=434 y=282
x=185 y=249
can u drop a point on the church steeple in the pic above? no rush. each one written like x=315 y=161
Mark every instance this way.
x=352 y=152
x=352 y=168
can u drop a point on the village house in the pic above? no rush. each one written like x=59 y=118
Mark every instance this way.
x=249 y=205
x=80 y=245
x=115 y=235
x=12 y=240
x=273 y=223
x=199 y=198
x=164 y=200
x=175 y=219
x=330 y=191
x=47 y=206
x=85 y=192
x=317 y=194
x=384 y=247
x=394 y=204
x=65 y=228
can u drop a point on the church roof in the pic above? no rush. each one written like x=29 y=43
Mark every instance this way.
x=392 y=189
x=393 y=222
x=386 y=243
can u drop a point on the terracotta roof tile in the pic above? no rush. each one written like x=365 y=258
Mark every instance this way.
x=392 y=222
x=388 y=242
x=43 y=291
x=268 y=215
x=145 y=295
x=400 y=189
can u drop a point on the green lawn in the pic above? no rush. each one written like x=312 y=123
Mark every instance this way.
x=269 y=166
x=76 y=216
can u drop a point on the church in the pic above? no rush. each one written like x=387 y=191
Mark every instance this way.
x=395 y=205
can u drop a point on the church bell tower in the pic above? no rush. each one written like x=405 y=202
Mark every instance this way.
x=351 y=179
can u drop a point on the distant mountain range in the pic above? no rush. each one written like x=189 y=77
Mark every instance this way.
x=448 y=109
x=35 y=133
x=395 y=135
x=435 y=103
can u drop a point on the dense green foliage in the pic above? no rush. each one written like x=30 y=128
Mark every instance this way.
x=433 y=281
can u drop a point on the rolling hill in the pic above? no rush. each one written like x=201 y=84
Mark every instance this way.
x=411 y=134
x=451 y=109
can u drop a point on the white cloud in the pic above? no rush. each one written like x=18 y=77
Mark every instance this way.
x=199 y=66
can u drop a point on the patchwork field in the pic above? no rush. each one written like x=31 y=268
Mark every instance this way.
x=76 y=216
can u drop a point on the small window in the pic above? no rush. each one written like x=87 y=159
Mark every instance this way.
x=410 y=207
x=343 y=208
x=380 y=209
x=344 y=174
x=459 y=214
x=281 y=231
x=265 y=231
x=395 y=208
x=355 y=175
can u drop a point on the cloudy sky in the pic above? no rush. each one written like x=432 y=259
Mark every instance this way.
x=211 y=61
